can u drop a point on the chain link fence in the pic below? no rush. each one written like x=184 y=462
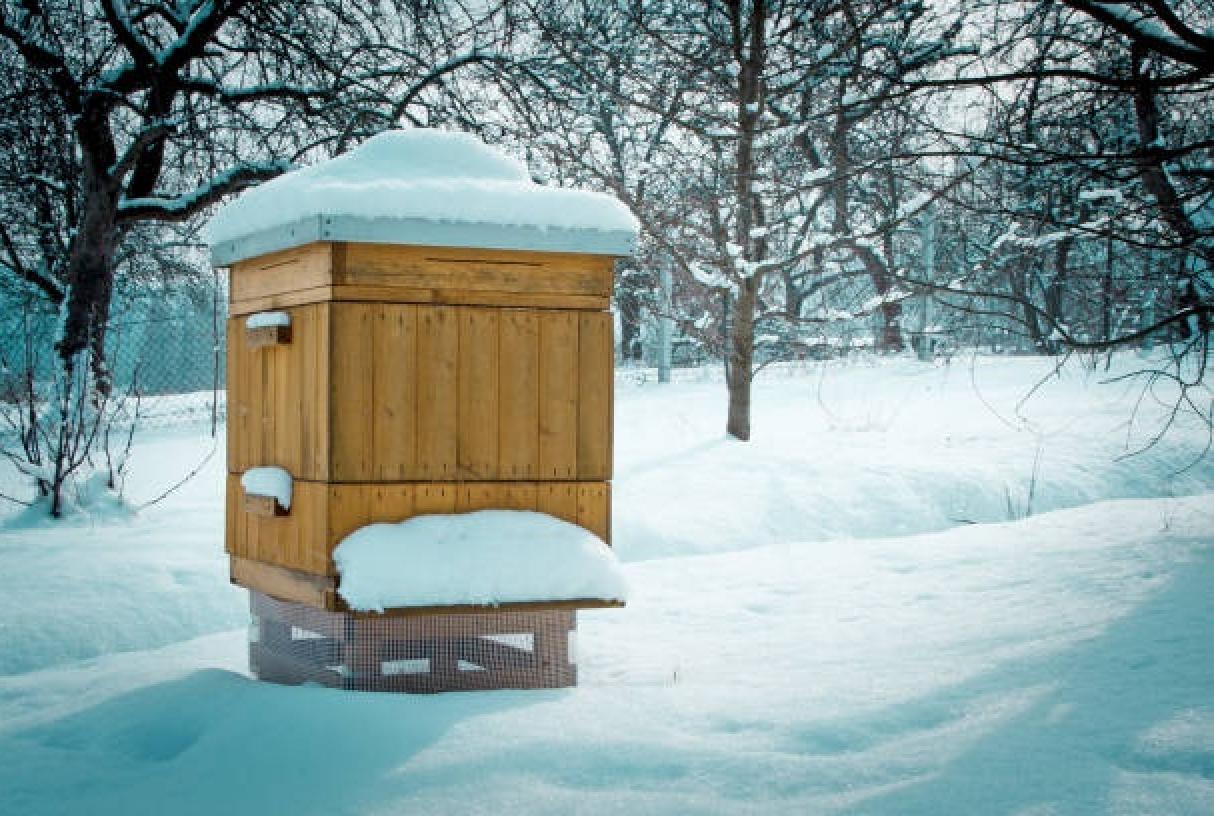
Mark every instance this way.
x=164 y=352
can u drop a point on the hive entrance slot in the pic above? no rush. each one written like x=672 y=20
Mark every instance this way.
x=487 y=262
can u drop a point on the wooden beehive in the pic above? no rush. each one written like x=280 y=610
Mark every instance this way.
x=412 y=380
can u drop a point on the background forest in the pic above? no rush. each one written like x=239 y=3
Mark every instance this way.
x=813 y=179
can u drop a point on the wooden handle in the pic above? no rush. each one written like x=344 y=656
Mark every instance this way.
x=263 y=506
x=267 y=336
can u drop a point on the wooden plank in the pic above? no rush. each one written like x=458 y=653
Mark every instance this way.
x=285 y=584
x=394 y=375
x=464 y=297
x=263 y=336
x=284 y=300
x=352 y=396
x=314 y=393
x=264 y=449
x=596 y=358
x=558 y=499
x=473 y=270
x=558 y=393
x=518 y=395
x=237 y=398
x=437 y=392
x=594 y=508
x=290 y=270
x=478 y=394
x=233 y=531
x=473 y=609
x=392 y=294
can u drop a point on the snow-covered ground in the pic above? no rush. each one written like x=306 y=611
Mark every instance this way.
x=912 y=592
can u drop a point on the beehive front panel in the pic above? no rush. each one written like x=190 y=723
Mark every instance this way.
x=466 y=393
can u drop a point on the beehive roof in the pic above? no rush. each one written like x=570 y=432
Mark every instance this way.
x=424 y=187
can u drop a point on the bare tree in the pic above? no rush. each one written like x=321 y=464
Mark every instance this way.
x=137 y=114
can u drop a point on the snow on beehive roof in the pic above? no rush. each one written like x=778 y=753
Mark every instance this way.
x=425 y=187
x=487 y=557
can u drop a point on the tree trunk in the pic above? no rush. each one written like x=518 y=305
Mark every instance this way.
x=90 y=279
x=739 y=360
x=630 y=324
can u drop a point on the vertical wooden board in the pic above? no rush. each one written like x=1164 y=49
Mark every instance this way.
x=237 y=411
x=317 y=393
x=395 y=387
x=432 y=499
x=284 y=423
x=352 y=403
x=558 y=392
x=478 y=393
x=298 y=409
x=558 y=499
x=596 y=358
x=233 y=540
x=477 y=496
x=252 y=533
x=594 y=508
x=518 y=394
x=437 y=391
x=305 y=339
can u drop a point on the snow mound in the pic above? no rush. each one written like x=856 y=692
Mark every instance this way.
x=86 y=500
x=268 y=481
x=483 y=558
x=420 y=174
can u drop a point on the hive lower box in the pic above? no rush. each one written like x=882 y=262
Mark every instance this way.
x=293 y=643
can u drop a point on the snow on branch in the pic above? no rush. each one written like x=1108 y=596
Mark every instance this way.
x=1173 y=39
x=252 y=93
x=179 y=208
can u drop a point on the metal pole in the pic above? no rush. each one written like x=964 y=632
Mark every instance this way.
x=665 y=324
x=928 y=238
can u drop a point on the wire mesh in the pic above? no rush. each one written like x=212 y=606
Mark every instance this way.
x=164 y=355
x=293 y=643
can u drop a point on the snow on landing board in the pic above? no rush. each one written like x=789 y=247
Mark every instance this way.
x=268 y=481
x=420 y=186
x=263 y=320
x=483 y=558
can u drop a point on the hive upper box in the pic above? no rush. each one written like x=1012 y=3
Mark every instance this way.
x=422 y=187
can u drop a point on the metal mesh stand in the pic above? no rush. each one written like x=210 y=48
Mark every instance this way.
x=292 y=643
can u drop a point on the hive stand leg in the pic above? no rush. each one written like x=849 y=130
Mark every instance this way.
x=361 y=650
x=552 y=652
